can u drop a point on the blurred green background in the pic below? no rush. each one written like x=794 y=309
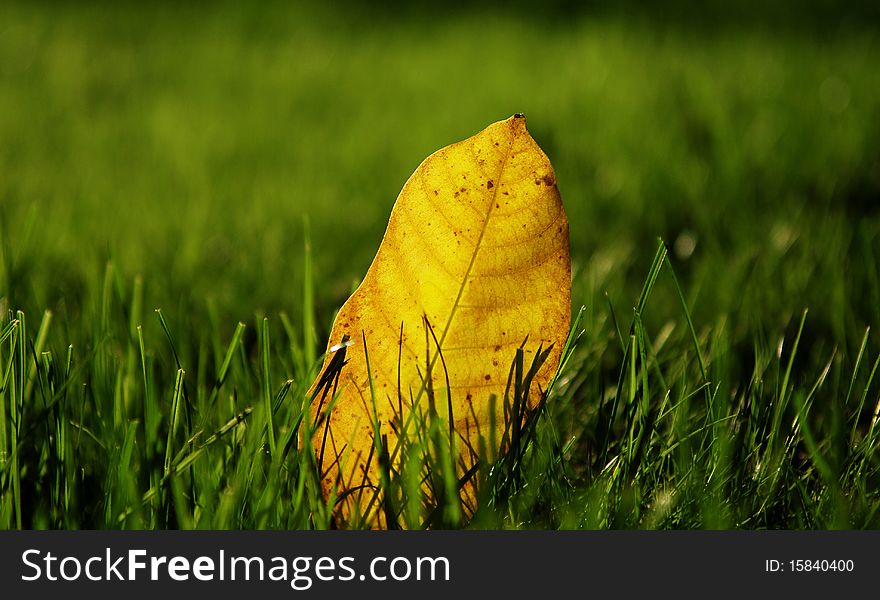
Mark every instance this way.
x=186 y=143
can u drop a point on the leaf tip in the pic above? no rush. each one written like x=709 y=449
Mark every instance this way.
x=517 y=123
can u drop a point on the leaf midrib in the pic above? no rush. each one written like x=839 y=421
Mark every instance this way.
x=477 y=246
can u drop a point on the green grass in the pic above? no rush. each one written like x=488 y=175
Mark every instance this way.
x=236 y=170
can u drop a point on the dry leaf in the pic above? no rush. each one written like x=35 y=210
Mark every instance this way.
x=474 y=261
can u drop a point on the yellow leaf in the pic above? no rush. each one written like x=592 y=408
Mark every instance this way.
x=474 y=261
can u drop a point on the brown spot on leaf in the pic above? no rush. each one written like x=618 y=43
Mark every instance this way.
x=489 y=185
x=487 y=377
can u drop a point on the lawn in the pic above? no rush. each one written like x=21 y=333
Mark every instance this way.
x=235 y=165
